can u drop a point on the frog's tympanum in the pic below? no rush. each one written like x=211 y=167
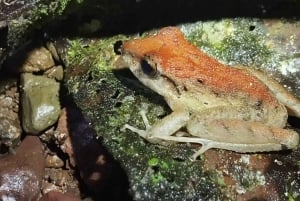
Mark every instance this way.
x=215 y=105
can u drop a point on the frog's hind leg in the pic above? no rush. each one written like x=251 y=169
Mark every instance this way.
x=240 y=136
x=205 y=144
x=244 y=136
x=235 y=128
x=291 y=102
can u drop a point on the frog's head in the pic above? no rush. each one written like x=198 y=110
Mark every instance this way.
x=164 y=61
x=148 y=70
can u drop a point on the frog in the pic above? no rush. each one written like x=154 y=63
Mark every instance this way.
x=215 y=105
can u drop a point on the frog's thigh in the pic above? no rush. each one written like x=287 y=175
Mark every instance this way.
x=202 y=120
x=246 y=133
x=169 y=124
x=291 y=102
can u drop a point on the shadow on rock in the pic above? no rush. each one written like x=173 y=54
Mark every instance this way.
x=98 y=170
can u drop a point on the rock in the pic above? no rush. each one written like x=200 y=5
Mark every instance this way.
x=59 y=177
x=54 y=161
x=51 y=47
x=21 y=173
x=40 y=102
x=10 y=127
x=9 y=131
x=48 y=187
x=62 y=180
x=96 y=168
x=56 y=72
x=57 y=196
x=62 y=137
x=109 y=106
x=38 y=59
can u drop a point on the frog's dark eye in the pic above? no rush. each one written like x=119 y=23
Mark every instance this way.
x=147 y=68
x=117 y=47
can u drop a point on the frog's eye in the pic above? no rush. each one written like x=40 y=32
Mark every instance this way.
x=117 y=47
x=147 y=68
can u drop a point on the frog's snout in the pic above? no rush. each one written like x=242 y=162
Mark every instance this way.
x=118 y=47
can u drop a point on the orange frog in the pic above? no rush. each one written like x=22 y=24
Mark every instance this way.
x=213 y=104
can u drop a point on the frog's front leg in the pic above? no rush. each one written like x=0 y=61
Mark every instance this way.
x=165 y=127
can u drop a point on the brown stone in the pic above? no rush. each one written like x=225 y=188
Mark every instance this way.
x=57 y=196
x=21 y=173
x=39 y=59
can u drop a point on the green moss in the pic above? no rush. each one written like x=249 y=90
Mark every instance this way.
x=36 y=17
x=158 y=165
x=98 y=55
x=247 y=179
x=239 y=41
x=54 y=8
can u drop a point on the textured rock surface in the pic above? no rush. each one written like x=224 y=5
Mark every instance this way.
x=101 y=174
x=10 y=127
x=21 y=173
x=38 y=59
x=165 y=172
x=56 y=72
x=156 y=170
x=40 y=102
x=57 y=196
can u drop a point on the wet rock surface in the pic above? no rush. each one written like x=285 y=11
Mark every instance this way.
x=165 y=172
x=40 y=102
x=10 y=127
x=56 y=73
x=87 y=158
x=19 y=21
x=21 y=173
x=57 y=196
x=96 y=168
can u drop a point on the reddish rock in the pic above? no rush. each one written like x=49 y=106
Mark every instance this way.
x=21 y=173
x=57 y=196
x=63 y=137
x=248 y=176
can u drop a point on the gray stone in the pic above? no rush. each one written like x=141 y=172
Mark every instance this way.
x=40 y=102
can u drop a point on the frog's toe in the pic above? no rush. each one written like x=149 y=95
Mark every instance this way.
x=141 y=132
x=199 y=152
x=145 y=119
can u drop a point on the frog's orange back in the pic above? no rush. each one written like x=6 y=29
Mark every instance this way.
x=181 y=59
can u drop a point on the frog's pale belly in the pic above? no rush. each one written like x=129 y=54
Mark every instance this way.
x=220 y=106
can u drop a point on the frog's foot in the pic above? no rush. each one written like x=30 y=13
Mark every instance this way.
x=201 y=151
x=142 y=133
x=205 y=144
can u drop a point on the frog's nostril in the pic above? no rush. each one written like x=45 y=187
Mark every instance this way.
x=147 y=68
x=117 y=47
